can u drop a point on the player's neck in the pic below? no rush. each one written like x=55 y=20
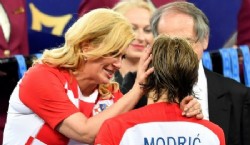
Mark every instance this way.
x=152 y=98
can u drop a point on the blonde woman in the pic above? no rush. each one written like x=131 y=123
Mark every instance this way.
x=67 y=94
x=138 y=13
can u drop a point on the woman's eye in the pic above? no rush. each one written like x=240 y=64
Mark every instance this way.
x=113 y=53
x=147 y=30
x=123 y=56
x=135 y=28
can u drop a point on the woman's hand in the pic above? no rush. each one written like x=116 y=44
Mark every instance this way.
x=143 y=71
x=191 y=107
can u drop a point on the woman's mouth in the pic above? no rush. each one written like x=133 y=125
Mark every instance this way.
x=138 y=46
x=109 y=73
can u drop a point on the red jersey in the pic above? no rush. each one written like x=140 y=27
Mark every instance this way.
x=159 y=123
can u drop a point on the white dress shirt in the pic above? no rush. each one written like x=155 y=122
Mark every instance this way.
x=200 y=90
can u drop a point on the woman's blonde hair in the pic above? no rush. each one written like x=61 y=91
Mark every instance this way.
x=124 y=6
x=108 y=32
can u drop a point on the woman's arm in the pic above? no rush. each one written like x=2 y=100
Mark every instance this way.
x=83 y=129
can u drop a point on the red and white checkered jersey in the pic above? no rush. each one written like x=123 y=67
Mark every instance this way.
x=41 y=100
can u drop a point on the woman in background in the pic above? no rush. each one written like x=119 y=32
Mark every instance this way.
x=138 y=13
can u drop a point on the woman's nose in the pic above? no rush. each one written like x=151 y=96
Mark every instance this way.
x=140 y=35
x=118 y=62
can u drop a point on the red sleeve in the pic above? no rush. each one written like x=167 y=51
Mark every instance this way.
x=104 y=137
x=42 y=90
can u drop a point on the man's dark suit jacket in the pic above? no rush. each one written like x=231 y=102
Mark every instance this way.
x=228 y=102
x=18 y=42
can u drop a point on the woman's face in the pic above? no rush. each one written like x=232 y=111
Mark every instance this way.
x=139 y=18
x=102 y=70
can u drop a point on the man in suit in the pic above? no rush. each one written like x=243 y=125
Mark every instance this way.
x=13 y=28
x=224 y=101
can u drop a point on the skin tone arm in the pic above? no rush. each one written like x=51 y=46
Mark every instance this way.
x=83 y=129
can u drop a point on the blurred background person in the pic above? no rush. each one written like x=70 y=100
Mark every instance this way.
x=160 y=121
x=138 y=14
x=224 y=101
x=13 y=28
x=13 y=40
